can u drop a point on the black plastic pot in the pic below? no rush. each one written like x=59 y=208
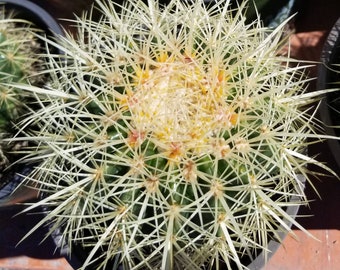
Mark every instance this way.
x=329 y=78
x=271 y=12
x=32 y=12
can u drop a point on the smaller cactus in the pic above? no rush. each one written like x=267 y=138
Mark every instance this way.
x=18 y=62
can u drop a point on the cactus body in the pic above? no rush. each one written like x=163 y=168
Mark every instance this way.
x=171 y=138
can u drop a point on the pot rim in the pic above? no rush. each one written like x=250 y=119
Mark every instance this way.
x=36 y=14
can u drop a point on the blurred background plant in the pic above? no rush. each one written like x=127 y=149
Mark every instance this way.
x=18 y=62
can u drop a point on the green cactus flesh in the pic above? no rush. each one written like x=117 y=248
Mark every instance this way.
x=171 y=139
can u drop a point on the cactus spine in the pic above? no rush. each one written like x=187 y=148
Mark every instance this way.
x=171 y=138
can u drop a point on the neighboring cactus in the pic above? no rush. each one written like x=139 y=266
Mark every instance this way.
x=171 y=138
x=18 y=61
